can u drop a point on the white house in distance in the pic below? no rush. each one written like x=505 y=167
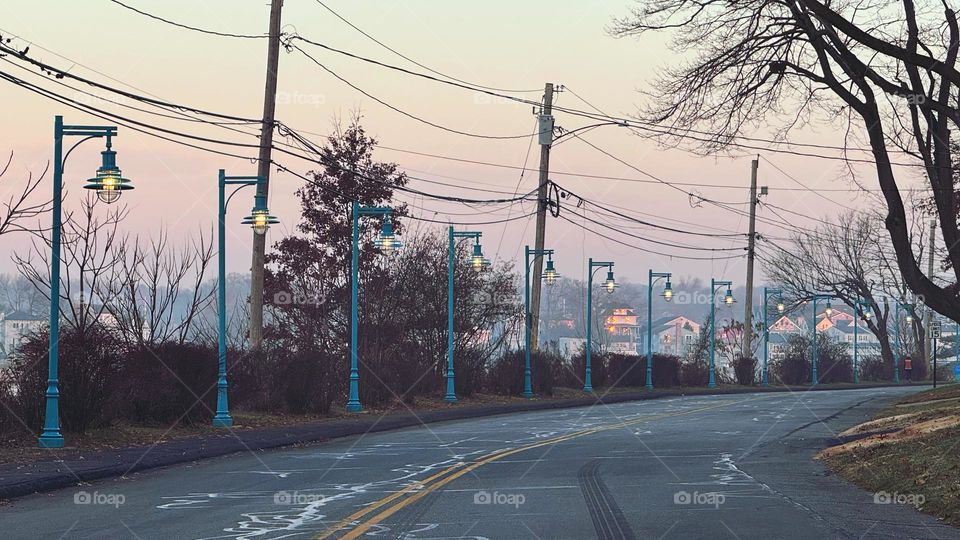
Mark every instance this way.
x=839 y=326
x=14 y=327
x=673 y=334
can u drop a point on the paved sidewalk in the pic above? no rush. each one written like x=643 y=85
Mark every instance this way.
x=19 y=479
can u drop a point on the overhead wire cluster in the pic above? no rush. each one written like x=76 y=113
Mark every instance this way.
x=297 y=145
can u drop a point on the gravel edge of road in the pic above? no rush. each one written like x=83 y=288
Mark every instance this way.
x=18 y=480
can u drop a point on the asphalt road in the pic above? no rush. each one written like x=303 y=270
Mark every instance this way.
x=731 y=466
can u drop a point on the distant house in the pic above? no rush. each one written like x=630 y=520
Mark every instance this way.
x=622 y=329
x=838 y=326
x=673 y=334
x=786 y=325
x=841 y=329
x=14 y=327
x=780 y=332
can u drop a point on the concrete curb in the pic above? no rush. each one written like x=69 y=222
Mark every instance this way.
x=17 y=480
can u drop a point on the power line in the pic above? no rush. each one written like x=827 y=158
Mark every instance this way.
x=412 y=61
x=655 y=241
x=187 y=27
x=815 y=192
x=495 y=92
x=596 y=176
x=306 y=143
x=644 y=222
x=688 y=133
x=403 y=112
x=58 y=73
x=672 y=256
x=148 y=129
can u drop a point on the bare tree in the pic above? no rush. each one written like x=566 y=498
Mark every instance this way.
x=883 y=71
x=157 y=292
x=238 y=314
x=88 y=260
x=18 y=207
x=18 y=294
x=850 y=260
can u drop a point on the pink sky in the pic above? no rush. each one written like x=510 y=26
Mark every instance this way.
x=495 y=43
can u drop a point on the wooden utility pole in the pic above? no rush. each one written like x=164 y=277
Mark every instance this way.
x=545 y=129
x=928 y=313
x=751 y=244
x=263 y=171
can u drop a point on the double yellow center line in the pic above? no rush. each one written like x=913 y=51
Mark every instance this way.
x=387 y=506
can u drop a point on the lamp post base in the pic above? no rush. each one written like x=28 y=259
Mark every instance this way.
x=528 y=395
x=449 y=398
x=54 y=440
x=588 y=389
x=354 y=406
x=222 y=421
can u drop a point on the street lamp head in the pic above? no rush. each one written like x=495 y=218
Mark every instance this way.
x=781 y=307
x=387 y=241
x=260 y=219
x=550 y=275
x=668 y=291
x=867 y=315
x=610 y=284
x=108 y=183
x=478 y=262
x=828 y=311
x=909 y=318
x=728 y=298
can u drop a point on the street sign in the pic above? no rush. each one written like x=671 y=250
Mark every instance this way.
x=935 y=330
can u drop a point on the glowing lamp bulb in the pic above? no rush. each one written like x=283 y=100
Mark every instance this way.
x=609 y=284
x=728 y=298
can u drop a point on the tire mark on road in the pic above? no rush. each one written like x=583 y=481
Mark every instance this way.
x=608 y=518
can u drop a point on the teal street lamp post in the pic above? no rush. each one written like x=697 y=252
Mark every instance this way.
x=478 y=263
x=865 y=314
x=260 y=219
x=609 y=285
x=768 y=293
x=108 y=183
x=813 y=345
x=667 y=295
x=388 y=243
x=728 y=300
x=896 y=357
x=550 y=277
